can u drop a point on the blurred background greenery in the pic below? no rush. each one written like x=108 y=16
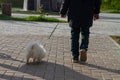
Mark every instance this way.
x=15 y=3
x=107 y=5
x=110 y=6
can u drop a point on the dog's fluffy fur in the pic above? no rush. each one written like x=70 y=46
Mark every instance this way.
x=35 y=51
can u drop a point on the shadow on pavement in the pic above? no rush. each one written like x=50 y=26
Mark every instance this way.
x=101 y=68
x=47 y=71
x=8 y=77
x=8 y=57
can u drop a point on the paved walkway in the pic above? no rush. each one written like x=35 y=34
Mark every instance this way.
x=103 y=55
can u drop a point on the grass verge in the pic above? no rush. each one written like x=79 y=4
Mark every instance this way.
x=110 y=11
x=31 y=18
x=21 y=11
x=116 y=38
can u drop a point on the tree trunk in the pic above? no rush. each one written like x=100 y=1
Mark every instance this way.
x=6 y=8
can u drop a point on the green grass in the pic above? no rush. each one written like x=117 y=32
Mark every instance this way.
x=43 y=19
x=110 y=11
x=20 y=11
x=5 y=17
x=32 y=12
x=31 y=18
x=116 y=38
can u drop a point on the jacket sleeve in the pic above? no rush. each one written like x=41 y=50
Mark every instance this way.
x=64 y=7
x=97 y=5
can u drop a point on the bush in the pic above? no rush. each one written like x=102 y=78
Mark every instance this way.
x=5 y=17
x=111 y=4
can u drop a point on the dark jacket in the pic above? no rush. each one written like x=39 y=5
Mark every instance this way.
x=80 y=12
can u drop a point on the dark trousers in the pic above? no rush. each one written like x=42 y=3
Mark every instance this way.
x=75 y=35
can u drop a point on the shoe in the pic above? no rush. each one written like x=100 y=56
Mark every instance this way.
x=75 y=60
x=83 y=55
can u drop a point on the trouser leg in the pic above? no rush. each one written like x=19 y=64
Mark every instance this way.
x=84 y=38
x=75 y=42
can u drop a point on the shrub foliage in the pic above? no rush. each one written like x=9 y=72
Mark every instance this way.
x=106 y=4
x=111 y=4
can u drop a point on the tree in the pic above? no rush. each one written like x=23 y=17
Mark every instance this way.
x=6 y=7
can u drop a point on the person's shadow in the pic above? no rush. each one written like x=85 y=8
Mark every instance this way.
x=44 y=71
x=101 y=68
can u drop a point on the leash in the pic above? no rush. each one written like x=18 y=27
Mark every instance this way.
x=53 y=31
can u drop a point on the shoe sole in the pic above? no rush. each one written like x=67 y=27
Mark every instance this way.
x=75 y=61
x=83 y=56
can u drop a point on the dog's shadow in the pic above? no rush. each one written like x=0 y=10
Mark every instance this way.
x=8 y=57
x=53 y=71
x=46 y=71
x=4 y=56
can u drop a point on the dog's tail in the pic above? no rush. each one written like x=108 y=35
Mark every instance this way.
x=30 y=46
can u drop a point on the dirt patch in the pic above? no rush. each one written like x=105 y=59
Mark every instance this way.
x=116 y=38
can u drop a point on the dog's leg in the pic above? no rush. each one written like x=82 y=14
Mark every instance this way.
x=34 y=60
x=27 y=60
x=39 y=60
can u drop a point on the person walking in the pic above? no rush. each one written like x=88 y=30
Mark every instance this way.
x=81 y=14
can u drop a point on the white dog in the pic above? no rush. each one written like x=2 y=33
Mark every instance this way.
x=35 y=51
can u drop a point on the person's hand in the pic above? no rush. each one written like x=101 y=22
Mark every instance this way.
x=95 y=16
x=63 y=16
